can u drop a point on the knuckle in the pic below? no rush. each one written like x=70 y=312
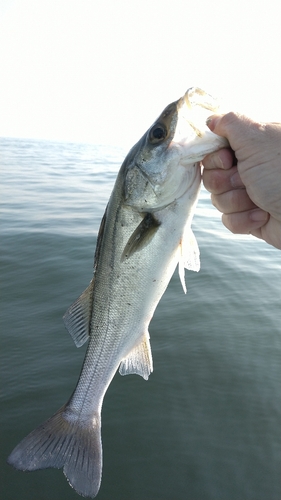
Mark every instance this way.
x=230 y=223
x=212 y=181
x=229 y=119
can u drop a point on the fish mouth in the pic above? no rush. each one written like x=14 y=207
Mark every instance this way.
x=191 y=132
x=195 y=96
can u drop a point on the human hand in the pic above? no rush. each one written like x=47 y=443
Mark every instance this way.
x=249 y=193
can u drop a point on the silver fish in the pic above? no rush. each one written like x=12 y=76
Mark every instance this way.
x=145 y=232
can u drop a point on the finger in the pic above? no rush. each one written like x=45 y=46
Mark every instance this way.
x=233 y=201
x=223 y=158
x=270 y=232
x=218 y=181
x=234 y=126
x=245 y=222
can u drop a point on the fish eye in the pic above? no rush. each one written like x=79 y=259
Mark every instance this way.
x=157 y=134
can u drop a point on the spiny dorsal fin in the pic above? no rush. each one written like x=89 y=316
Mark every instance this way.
x=99 y=239
x=189 y=255
x=78 y=316
x=139 y=359
x=141 y=236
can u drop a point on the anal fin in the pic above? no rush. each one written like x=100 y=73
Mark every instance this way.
x=139 y=359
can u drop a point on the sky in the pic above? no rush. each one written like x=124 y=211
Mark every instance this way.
x=101 y=71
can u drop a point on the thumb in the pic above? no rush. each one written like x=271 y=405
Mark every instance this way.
x=233 y=126
x=213 y=123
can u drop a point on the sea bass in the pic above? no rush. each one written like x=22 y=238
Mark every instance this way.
x=145 y=232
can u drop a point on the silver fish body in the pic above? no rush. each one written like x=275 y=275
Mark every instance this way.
x=144 y=234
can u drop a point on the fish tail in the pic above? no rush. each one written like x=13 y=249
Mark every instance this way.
x=64 y=442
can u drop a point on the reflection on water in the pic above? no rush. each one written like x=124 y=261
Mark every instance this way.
x=206 y=426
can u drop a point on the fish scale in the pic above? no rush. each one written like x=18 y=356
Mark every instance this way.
x=144 y=234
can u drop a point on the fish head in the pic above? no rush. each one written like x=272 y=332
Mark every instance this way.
x=165 y=163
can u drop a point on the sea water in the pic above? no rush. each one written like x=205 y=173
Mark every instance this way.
x=206 y=425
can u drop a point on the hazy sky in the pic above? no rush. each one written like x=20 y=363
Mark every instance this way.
x=101 y=71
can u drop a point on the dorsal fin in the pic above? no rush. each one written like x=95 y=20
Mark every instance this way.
x=189 y=255
x=139 y=359
x=77 y=318
x=141 y=236
x=99 y=239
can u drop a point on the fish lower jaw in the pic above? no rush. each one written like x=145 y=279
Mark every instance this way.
x=194 y=151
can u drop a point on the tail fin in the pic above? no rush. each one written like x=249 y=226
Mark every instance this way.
x=62 y=442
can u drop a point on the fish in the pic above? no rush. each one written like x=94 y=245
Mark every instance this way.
x=144 y=234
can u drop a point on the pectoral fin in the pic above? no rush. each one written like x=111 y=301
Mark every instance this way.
x=142 y=235
x=189 y=255
x=78 y=317
x=139 y=359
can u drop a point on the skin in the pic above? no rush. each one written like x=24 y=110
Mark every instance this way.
x=245 y=179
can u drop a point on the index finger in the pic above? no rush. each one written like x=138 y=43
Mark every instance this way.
x=223 y=158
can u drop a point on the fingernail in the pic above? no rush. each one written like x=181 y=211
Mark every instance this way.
x=258 y=215
x=211 y=122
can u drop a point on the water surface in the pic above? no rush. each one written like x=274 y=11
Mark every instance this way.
x=206 y=426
